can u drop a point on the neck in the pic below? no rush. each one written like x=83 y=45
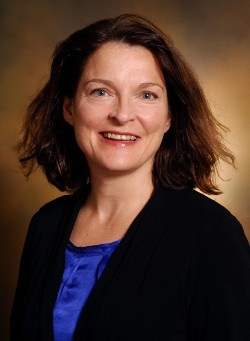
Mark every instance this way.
x=112 y=205
x=111 y=194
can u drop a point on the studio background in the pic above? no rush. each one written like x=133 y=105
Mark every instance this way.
x=214 y=37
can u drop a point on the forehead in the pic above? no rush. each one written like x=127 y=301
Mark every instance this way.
x=116 y=57
x=116 y=46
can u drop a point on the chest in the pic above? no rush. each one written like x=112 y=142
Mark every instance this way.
x=147 y=296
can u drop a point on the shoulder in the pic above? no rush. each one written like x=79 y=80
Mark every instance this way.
x=49 y=225
x=197 y=218
x=57 y=206
x=52 y=216
x=55 y=209
x=195 y=206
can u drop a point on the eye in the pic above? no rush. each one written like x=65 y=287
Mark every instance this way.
x=149 y=96
x=99 y=92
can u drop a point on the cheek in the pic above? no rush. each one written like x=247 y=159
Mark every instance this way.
x=86 y=123
x=157 y=124
x=86 y=117
x=167 y=123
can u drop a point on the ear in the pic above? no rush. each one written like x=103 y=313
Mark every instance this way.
x=68 y=112
x=168 y=123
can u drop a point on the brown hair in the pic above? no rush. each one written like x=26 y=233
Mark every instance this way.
x=191 y=149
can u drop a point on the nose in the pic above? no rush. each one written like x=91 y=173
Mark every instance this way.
x=123 y=111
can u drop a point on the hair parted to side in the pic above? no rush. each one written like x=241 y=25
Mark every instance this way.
x=191 y=149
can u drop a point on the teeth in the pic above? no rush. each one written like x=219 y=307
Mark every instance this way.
x=119 y=137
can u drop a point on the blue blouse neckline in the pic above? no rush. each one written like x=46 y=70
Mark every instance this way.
x=83 y=267
x=92 y=249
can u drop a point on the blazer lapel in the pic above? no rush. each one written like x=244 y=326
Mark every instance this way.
x=144 y=229
x=56 y=266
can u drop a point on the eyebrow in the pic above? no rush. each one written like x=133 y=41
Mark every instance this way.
x=110 y=83
x=98 y=80
x=144 y=85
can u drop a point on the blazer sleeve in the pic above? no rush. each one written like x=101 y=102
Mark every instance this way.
x=220 y=308
x=48 y=232
x=26 y=268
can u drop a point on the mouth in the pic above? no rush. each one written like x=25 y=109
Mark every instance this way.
x=119 y=137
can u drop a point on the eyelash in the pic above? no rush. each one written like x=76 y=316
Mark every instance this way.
x=95 y=91
x=100 y=92
x=149 y=94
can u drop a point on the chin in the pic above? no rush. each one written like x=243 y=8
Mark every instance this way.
x=118 y=167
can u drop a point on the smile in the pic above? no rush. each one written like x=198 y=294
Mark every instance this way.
x=119 y=137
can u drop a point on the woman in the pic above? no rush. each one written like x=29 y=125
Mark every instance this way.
x=134 y=253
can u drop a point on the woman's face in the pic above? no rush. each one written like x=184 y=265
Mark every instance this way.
x=120 y=110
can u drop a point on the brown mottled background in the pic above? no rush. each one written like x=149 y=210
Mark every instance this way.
x=213 y=35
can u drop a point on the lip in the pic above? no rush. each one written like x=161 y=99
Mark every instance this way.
x=120 y=142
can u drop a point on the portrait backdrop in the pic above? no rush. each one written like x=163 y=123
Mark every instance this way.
x=213 y=36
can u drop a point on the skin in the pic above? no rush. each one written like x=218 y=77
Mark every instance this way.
x=121 y=92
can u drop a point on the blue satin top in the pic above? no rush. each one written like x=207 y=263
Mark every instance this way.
x=83 y=267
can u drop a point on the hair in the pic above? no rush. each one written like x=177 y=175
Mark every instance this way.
x=191 y=150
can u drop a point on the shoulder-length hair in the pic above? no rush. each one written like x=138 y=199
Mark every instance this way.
x=191 y=149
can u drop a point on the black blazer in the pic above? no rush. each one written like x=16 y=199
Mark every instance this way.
x=182 y=272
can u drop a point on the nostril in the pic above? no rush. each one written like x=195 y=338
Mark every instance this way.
x=121 y=117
